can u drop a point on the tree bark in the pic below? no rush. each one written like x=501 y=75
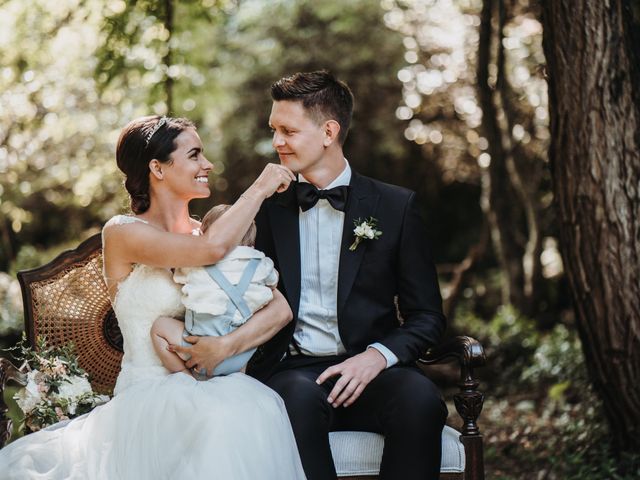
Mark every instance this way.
x=594 y=97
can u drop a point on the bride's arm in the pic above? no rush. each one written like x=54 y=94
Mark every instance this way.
x=141 y=243
x=209 y=352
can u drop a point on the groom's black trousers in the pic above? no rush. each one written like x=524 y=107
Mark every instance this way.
x=400 y=403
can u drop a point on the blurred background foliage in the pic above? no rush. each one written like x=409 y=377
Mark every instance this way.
x=451 y=102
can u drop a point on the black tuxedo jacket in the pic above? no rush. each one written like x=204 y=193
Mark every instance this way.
x=398 y=263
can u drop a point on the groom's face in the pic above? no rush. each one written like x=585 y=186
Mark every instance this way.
x=297 y=138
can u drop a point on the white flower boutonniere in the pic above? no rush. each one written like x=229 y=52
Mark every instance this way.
x=365 y=231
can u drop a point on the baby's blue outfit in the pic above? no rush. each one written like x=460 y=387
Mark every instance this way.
x=206 y=324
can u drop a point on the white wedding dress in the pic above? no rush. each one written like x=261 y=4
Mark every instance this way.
x=161 y=425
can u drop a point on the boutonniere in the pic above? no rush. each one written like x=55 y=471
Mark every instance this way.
x=365 y=231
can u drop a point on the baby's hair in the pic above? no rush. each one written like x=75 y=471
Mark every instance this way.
x=216 y=212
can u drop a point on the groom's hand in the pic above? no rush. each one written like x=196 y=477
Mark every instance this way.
x=206 y=352
x=355 y=374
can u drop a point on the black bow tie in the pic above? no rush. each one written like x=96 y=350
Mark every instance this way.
x=308 y=195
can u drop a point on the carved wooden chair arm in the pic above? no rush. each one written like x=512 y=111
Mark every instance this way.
x=8 y=371
x=467 y=350
x=469 y=354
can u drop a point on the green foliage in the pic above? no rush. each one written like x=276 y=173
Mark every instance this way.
x=14 y=414
x=57 y=175
x=31 y=257
x=545 y=414
x=11 y=320
x=558 y=356
x=510 y=341
x=43 y=354
x=525 y=358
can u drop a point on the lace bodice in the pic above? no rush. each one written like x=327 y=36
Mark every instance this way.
x=144 y=295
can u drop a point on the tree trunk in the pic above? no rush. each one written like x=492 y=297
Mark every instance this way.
x=500 y=201
x=594 y=97
x=520 y=168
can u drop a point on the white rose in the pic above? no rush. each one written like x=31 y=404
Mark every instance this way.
x=359 y=231
x=368 y=232
x=28 y=397
x=74 y=388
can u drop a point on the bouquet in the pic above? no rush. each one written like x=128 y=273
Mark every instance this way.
x=57 y=388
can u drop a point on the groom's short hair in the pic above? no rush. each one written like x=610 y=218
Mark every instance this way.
x=321 y=94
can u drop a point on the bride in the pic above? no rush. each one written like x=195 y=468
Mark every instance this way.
x=161 y=425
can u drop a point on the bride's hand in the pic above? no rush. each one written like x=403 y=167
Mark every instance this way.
x=206 y=352
x=274 y=178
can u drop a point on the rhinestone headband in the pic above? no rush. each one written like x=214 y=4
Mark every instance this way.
x=150 y=135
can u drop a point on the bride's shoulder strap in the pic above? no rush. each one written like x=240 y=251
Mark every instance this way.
x=123 y=220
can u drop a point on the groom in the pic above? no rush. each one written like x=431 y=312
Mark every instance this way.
x=346 y=362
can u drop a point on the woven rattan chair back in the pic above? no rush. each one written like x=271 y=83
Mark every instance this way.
x=67 y=300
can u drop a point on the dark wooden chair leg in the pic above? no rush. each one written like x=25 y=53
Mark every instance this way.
x=473 y=452
x=469 y=354
x=8 y=371
x=469 y=405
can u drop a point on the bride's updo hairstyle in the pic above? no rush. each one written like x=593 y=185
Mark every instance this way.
x=141 y=141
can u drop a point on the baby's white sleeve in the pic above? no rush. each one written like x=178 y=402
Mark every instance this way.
x=271 y=274
x=181 y=275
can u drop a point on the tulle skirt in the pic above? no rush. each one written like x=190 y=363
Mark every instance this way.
x=171 y=427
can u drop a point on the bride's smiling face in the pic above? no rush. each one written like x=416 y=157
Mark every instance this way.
x=186 y=174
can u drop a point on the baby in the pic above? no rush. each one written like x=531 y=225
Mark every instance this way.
x=218 y=299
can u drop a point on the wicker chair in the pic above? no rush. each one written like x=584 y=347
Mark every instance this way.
x=66 y=300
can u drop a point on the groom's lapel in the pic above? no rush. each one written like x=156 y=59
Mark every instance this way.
x=362 y=204
x=286 y=236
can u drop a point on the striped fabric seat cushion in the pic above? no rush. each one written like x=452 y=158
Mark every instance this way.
x=359 y=453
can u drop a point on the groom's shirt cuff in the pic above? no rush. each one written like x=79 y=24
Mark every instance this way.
x=386 y=353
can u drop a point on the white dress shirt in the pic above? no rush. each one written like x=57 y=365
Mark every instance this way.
x=316 y=331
